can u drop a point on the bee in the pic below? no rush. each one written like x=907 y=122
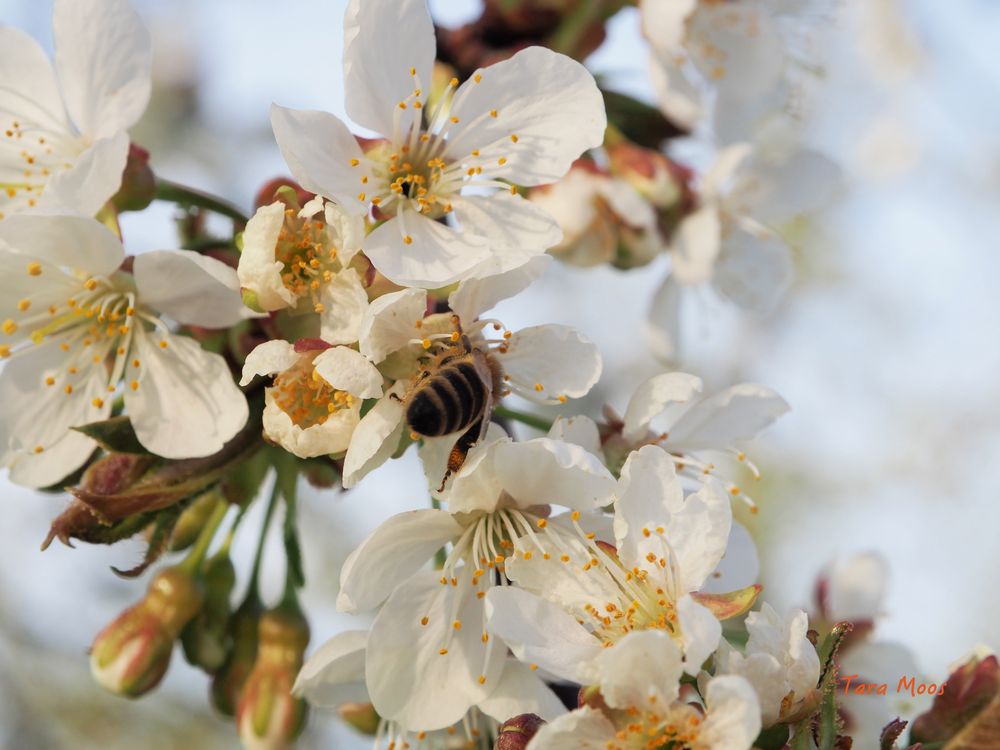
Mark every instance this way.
x=453 y=393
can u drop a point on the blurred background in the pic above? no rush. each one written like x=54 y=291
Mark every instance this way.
x=887 y=347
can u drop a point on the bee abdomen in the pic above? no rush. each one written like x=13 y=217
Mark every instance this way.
x=448 y=402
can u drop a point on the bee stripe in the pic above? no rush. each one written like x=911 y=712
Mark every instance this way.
x=456 y=402
x=425 y=413
x=477 y=393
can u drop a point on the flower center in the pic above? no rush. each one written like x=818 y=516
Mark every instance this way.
x=29 y=155
x=308 y=258
x=305 y=397
x=677 y=728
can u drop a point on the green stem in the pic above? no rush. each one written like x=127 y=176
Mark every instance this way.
x=185 y=196
x=197 y=554
x=227 y=543
x=259 y=556
x=532 y=420
x=567 y=37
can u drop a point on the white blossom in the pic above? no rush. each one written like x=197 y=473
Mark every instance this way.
x=522 y=121
x=63 y=127
x=78 y=331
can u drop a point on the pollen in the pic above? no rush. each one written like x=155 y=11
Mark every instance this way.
x=539 y=387
x=9 y=327
x=426 y=343
x=513 y=138
x=90 y=284
x=134 y=385
x=407 y=240
x=163 y=344
x=424 y=621
x=50 y=380
x=493 y=113
x=542 y=523
x=443 y=652
x=23 y=305
x=477 y=78
x=68 y=389
x=482 y=679
x=457 y=624
x=98 y=402
x=34 y=269
x=4 y=351
x=355 y=162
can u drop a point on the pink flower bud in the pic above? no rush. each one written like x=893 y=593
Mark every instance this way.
x=229 y=680
x=269 y=717
x=138 y=188
x=516 y=733
x=131 y=655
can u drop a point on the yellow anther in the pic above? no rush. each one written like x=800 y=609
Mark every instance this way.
x=482 y=679
x=4 y=351
x=355 y=162
x=68 y=388
x=163 y=344
x=23 y=305
x=513 y=138
x=134 y=385
x=542 y=523
x=493 y=113
x=443 y=651
x=457 y=624
x=539 y=387
x=361 y=196
x=455 y=120
x=50 y=380
x=98 y=402
x=426 y=343
x=90 y=284
x=9 y=327
x=407 y=240
x=34 y=269
x=424 y=621
x=576 y=515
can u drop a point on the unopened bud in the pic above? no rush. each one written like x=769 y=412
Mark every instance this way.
x=206 y=637
x=362 y=716
x=229 y=680
x=131 y=655
x=192 y=520
x=516 y=733
x=138 y=188
x=272 y=190
x=269 y=717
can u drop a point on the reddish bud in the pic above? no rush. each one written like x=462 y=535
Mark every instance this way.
x=270 y=191
x=138 y=188
x=516 y=733
x=965 y=697
x=131 y=655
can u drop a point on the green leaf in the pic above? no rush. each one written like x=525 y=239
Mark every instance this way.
x=640 y=122
x=159 y=540
x=772 y=738
x=114 y=435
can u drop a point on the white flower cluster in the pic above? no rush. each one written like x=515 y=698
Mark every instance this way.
x=603 y=554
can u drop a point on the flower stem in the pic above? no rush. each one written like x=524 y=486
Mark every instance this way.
x=532 y=420
x=197 y=554
x=442 y=554
x=271 y=504
x=185 y=196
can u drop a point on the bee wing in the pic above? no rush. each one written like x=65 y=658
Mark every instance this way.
x=486 y=376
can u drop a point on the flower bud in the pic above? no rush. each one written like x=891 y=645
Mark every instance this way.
x=229 y=680
x=192 y=519
x=362 y=716
x=131 y=655
x=269 y=717
x=516 y=733
x=269 y=192
x=138 y=188
x=206 y=637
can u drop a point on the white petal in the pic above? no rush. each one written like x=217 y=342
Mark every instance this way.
x=580 y=430
x=64 y=241
x=390 y=555
x=583 y=729
x=732 y=416
x=104 y=58
x=389 y=323
x=268 y=358
x=410 y=681
x=347 y=370
x=786 y=640
x=539 y=632
x=728 y=163
x=376 y=438
x=93 y=178
x=475 y=296
x=192 y=289
x=346 y=230
x=521 y=691
x=733 y=720
x=663 y=323
x=476 y=486
x=435 y=255
x=774 y=193
x=344 y=304
x=30 y=90
x=653 y=397
x=258 y=270
x=544 y=471
x=700 y=633
x=508 y=222
x=548 y=101
x=699 y=531
x=753 y=272
x=679 y=99
x=647 y=491
x=696 y=247
x=856 y=589
x=335 y=673
x=664 y=24
x=383 y=41
x=556 y=357
x=33 y=414
x=186 y=404
x=642 y=669
x=319 y=150
x=332 y=436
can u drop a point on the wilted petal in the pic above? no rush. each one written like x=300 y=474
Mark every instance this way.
x=258 y=270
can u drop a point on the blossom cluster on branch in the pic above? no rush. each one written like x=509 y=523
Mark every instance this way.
x=585 y=588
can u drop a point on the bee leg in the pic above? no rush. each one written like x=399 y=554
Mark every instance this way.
x=459 y=451
x=394 y=397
